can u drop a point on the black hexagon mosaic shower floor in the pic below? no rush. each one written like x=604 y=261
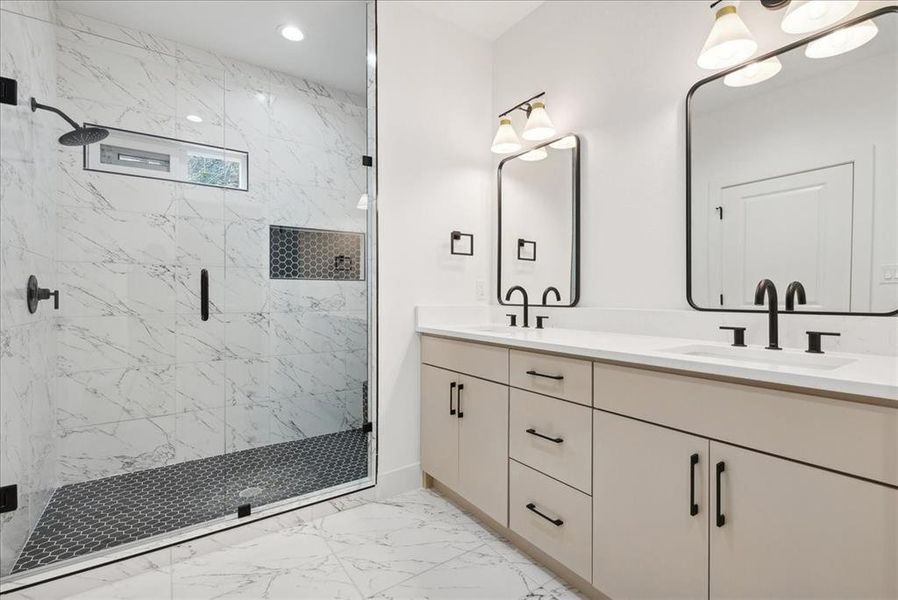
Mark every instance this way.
x=95 y=515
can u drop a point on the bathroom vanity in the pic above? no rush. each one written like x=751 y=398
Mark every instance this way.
x=648 y=468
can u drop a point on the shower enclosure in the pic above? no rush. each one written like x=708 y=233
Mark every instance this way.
x=211 y=259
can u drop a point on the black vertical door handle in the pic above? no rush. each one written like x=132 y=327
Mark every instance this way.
x=693 y=505
x=204 y=295
x=451 y=387
x=461 y=386
x=721 y=518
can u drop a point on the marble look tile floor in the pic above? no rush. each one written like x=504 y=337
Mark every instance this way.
x=415 y=545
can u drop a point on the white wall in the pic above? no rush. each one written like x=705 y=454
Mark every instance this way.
x=618 y=74
x=434 y=130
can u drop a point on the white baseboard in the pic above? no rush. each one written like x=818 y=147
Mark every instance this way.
x=397 y=481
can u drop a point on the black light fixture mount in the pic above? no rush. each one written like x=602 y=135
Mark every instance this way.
x=770 y=4
x=524 y=106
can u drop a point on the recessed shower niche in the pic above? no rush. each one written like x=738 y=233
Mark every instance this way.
x=177 y=381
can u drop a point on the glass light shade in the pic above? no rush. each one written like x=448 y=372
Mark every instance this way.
x=363 y=202
x=565 y=143
x=506 y=139
x=729 y=43
x=754 y=73
x=842 y=40
x=812 y=15
x=535 y=155
x=539 y=126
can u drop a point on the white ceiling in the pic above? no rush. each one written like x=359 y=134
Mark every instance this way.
x=487 y=19
x=333 y=51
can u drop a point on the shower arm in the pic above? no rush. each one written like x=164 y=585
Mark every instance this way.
x=37 y=105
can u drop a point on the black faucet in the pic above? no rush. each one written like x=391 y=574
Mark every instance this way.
x=551 y=288
x=526 y=303
x=795 y=288
x=766 y=286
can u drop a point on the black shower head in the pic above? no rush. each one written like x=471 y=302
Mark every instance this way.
x=83 y=136
x=80 y=136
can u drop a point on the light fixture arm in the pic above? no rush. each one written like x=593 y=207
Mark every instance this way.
x=524 y=106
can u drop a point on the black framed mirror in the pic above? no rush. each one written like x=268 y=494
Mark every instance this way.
x=791 y=176
x=539 y=207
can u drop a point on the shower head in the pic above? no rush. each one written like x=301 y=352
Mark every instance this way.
x=83 y=136
x=79 y=136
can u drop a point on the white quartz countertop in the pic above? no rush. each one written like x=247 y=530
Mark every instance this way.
x=858 y=374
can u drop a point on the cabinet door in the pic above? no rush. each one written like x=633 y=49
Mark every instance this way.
x=794 y=531
x=650 y=510
x=439 y=424
x=483 y=446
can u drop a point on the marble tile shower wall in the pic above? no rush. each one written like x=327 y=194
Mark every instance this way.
x=27 y=342
x=142 y=381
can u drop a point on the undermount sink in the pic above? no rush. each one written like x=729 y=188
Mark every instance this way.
x=760 y=356
x=492 y=328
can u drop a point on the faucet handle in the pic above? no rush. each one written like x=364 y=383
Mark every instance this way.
x=738 y=335
x=513 y=319
x=814 y=340
x=539 y=321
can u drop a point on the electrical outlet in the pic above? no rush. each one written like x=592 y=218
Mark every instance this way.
x=480 y=289
x=888 y=274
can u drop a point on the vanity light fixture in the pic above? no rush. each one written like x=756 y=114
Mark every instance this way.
x=534 y=155
x=842 y=40
x=754 y=73
x=291 y=33
x=506 y=138
x=194 y=118
x=539 y=126
x=565 y=143
x=729 y=43
x=805 y=16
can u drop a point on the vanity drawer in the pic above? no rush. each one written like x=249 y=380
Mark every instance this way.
x=479 y=360
x=566 y=378
x=564 y=530
x=567 y=455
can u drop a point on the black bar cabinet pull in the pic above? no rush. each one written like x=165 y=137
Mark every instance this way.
x=721 y=518
x=204 y=295
x=693 y=506
x=461 y=414
x=555 y=522
x=532 y=431
x=451 y=387
x=555 y=377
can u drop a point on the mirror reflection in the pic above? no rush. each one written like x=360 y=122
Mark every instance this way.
x=538 y=223
x=790 y=159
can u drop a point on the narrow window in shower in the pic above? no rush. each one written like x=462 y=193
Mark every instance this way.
x=212 y=349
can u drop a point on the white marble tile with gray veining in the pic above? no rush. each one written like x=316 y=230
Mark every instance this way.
x=103 y=289
x=88 y=235
x=110 y=395
x=90 y=343
x=97 y=451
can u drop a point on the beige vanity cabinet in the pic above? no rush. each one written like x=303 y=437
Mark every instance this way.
x=464 y=437
x=650 y=510
x=794 y=531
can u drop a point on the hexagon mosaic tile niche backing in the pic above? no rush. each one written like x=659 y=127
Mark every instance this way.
x=298 y=253
x=87 y=517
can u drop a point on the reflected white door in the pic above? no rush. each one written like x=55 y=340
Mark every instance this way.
x=790 y=228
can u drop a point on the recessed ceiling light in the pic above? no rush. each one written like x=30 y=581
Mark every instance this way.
x=291 y=32
x=194 y=118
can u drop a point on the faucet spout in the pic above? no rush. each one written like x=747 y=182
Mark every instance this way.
x=766 y=287
x=554 y=290
x=518 y=288
x=794 y=290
